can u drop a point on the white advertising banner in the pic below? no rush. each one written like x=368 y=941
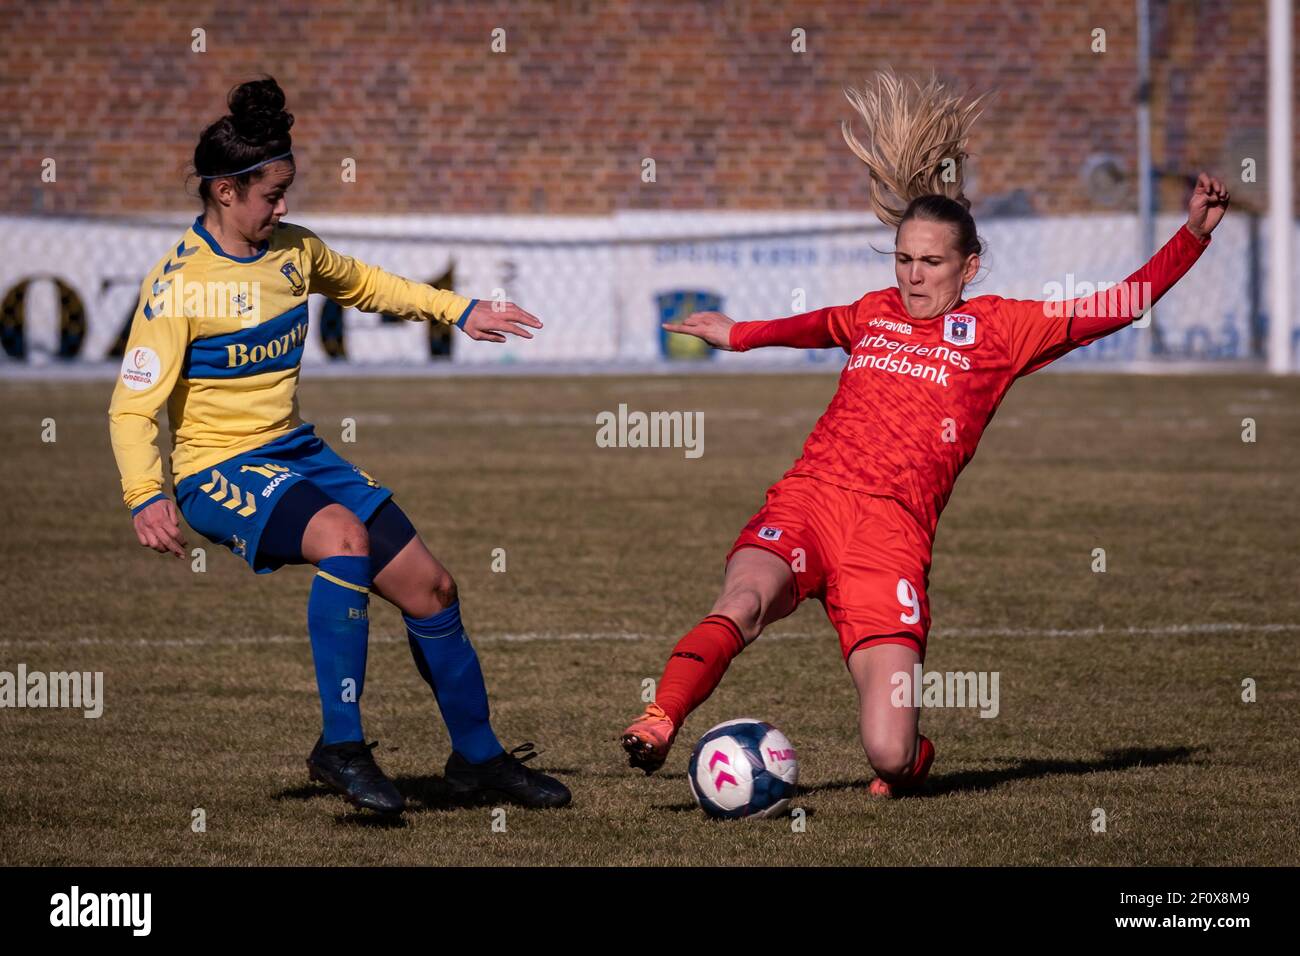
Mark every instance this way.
x=603 y=284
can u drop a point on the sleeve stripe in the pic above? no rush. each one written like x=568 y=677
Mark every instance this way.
x=140 y=507
x=464 y=316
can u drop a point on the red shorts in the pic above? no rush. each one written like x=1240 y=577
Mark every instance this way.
x=863 y=556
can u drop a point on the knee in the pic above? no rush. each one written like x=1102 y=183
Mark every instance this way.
x=332 y=532
x=892 y=759
x=442 y=589
x=427 y=595
x=744 y=605
x=352 y=538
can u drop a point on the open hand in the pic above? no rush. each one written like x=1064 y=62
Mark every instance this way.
x=489 y=319
x=713 y=327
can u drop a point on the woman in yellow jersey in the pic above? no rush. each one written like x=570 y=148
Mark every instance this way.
x=218 y=338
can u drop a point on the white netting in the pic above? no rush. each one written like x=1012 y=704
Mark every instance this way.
x=603 y=284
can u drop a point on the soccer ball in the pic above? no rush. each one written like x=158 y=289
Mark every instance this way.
x=743 y=768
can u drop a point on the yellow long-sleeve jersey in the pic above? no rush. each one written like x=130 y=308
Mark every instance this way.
x=219 y=338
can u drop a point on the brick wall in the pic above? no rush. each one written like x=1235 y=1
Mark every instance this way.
x=561 y=122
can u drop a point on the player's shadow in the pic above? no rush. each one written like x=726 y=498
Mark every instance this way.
x=967 y=780
x=693 y=807
x=425 y=792
x=348 y=817
x=625 y=772
x=430 y=792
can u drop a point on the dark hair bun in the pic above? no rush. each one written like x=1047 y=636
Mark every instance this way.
x=256 y=129
x=257 y=112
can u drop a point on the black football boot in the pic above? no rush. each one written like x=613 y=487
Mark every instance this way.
x=350 y=768
x=505 y=778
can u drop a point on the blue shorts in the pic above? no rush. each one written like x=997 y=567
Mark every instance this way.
x=232 y=502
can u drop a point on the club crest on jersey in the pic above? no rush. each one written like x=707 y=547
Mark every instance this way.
x=769 y=534
x=959 y=329
x=296 y=284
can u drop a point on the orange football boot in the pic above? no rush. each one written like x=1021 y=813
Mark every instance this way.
x=648 y=739
x=924 y=758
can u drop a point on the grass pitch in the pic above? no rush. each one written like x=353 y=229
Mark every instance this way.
x=1119 y=690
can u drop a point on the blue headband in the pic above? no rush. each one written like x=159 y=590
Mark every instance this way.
x=240 y=172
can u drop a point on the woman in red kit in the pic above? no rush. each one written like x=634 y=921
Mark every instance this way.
x=853 y=521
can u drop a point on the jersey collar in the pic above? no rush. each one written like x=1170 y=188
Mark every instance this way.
x=207 y=237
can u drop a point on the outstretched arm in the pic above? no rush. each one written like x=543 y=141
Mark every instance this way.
x=821 y=329
x=1042 y=332
x=354 y=284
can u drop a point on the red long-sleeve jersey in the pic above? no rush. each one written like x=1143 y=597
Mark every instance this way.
x=916 y=394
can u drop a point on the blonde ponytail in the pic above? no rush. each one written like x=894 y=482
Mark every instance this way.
x=917 y=137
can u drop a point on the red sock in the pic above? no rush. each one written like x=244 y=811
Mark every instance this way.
x=696 y=666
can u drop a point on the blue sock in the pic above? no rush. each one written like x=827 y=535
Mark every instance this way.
x=448 y=664
x=339 y=625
